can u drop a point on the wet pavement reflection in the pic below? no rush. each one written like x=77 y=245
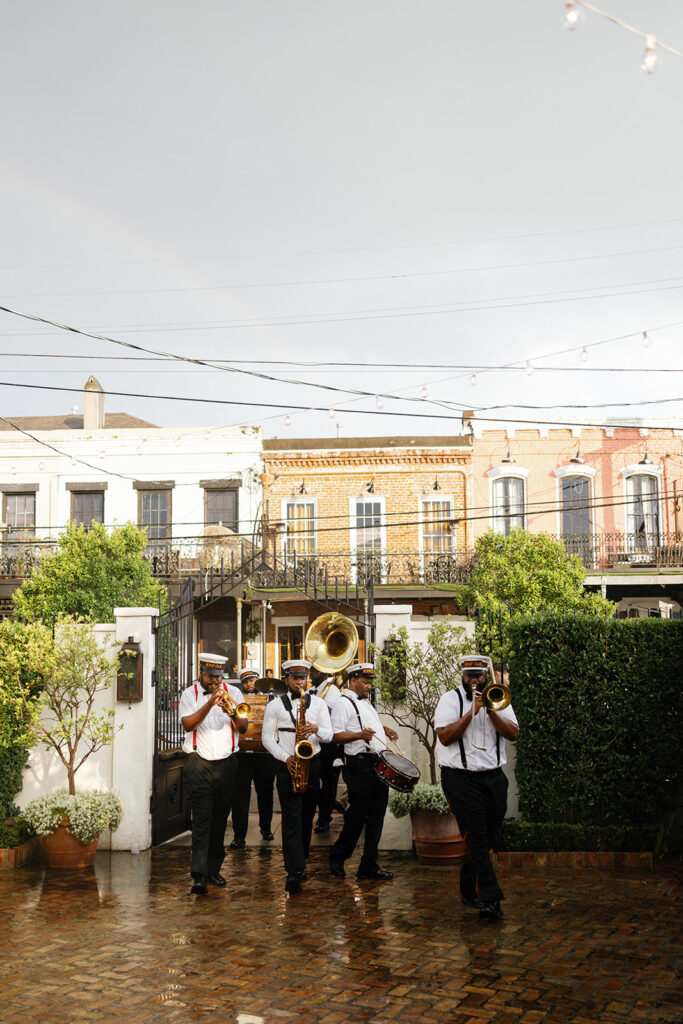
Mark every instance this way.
x=126 y=942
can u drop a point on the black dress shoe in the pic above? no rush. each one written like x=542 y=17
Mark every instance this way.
x=216 y=880
x=293 y=884
x=491 y=911
x=474 y=904
x=375 y=875
x=321 y=828
x=302 y=875
x=337 y=869
x=199 y=887
x=267 y=836
x=237 y=844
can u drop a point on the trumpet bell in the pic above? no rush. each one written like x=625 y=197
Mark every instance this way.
x=242 y=710
x=331 y=642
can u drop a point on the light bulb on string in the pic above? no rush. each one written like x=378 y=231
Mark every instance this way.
x=207 y=435
x=13 y=470
x=424 y=394
x=572 y=15
x=288 y=420
x=584 y=355
x=102 y=455
x=177 y=441
x=650 y=57
x=529 y=368
x=473 y=379
x=331 y=413
x=647 y=341
x=378 y=402
x=41 y=467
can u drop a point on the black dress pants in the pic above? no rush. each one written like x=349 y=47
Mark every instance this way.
x=298 y=811
x=210 y=787
x=478 y=801
x=329 y=779
x=368 y=798
x=258 y=768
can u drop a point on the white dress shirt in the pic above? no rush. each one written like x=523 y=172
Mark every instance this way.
x=345 y=719
x=216 y=737
x=277 y=733
x=448 y=712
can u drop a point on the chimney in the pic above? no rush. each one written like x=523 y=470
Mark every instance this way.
x=93 y=405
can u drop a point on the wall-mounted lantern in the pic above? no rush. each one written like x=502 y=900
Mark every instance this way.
x=129 y=677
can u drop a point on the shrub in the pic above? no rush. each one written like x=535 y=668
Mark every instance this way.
x=599 y=706
x=15 y=832
x=88 y=813
x=424 y=797
x=533 y=835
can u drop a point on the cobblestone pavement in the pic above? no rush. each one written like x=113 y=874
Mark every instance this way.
x=126 y=943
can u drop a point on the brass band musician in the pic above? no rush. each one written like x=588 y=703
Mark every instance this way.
x=257 y=767
x=212 y=728
x=291 y=717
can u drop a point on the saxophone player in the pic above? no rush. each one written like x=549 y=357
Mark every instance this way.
x=292 y=717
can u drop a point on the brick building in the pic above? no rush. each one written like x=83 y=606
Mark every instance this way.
x=392 y=509
x=613 y=495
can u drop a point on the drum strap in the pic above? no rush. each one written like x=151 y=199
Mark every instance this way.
x=360 y=724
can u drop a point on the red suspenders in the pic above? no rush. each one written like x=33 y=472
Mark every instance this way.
x=194 y=732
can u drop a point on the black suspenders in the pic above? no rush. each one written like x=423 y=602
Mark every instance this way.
x=463 y=758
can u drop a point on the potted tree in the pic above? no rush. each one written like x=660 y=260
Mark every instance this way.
x=411 y=677
x=61 y=714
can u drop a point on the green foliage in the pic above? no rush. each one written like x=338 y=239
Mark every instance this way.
x=411 y=678
x=533 y=835
x=423 y=798
x=87 y=813
x=522 y=573
x=24 y=654
x=14 y=832
x=92 y=572
x=599 y=706
x=61 y=715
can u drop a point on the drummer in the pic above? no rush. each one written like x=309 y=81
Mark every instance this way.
x=357 y=726
x=257 y=767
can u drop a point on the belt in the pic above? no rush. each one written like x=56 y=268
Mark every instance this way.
x=473 y=771
x=369 y=755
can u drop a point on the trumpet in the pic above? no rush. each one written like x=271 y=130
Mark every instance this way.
x=232 y=710
x=303 y=748
x=494 y=697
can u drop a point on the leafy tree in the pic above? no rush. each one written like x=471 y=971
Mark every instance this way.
x=92 y=572
x=411 y=677
x=61 y=714
x=524 y=573
x=25 y=652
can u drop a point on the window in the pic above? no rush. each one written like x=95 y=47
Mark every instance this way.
x=508 y=503
x=368 y=539
x=299 y=536
x=437 y=536
x=575 y=511
x=290 y=643
x=87 y=507
x=642 y=511
x=20 y=519
x=154 y=514
x=220 y=508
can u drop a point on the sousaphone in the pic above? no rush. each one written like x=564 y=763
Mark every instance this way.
x=330 y=645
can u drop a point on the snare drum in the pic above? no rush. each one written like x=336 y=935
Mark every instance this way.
x=397 y=771
x=251 y=739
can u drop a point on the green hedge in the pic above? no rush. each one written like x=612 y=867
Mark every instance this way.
x=599 y=706
x=12 y=761
x=16 y=833
x=536 y=835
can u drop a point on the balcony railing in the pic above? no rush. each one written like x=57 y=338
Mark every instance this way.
x=192 y=556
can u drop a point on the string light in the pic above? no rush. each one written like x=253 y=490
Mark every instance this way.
x=288 y=420
x=473 y=379
x=424 y=394
x=650 y=57
x=584 y=355
x=331 y=413
x=378 y=402
x=41 y=467
x=207 y=435
x=529 y=368
x=102 y=455
x=647 y=341
x=13 y=470
x=572 y=15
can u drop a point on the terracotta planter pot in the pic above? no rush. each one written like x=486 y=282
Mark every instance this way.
x=63 y=850
x=437 y=838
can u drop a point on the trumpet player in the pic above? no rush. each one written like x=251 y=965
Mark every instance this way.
x=471 y=752
x=211 y=741
x=279 y=736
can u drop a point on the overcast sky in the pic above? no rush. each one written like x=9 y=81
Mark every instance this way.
x=362 y=181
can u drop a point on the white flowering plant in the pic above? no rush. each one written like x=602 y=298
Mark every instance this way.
x=85 y=814
x=424 y=797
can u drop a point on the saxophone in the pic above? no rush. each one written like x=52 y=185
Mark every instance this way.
x=303 y=748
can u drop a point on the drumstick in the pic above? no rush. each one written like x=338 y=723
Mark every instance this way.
x=394 y=744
